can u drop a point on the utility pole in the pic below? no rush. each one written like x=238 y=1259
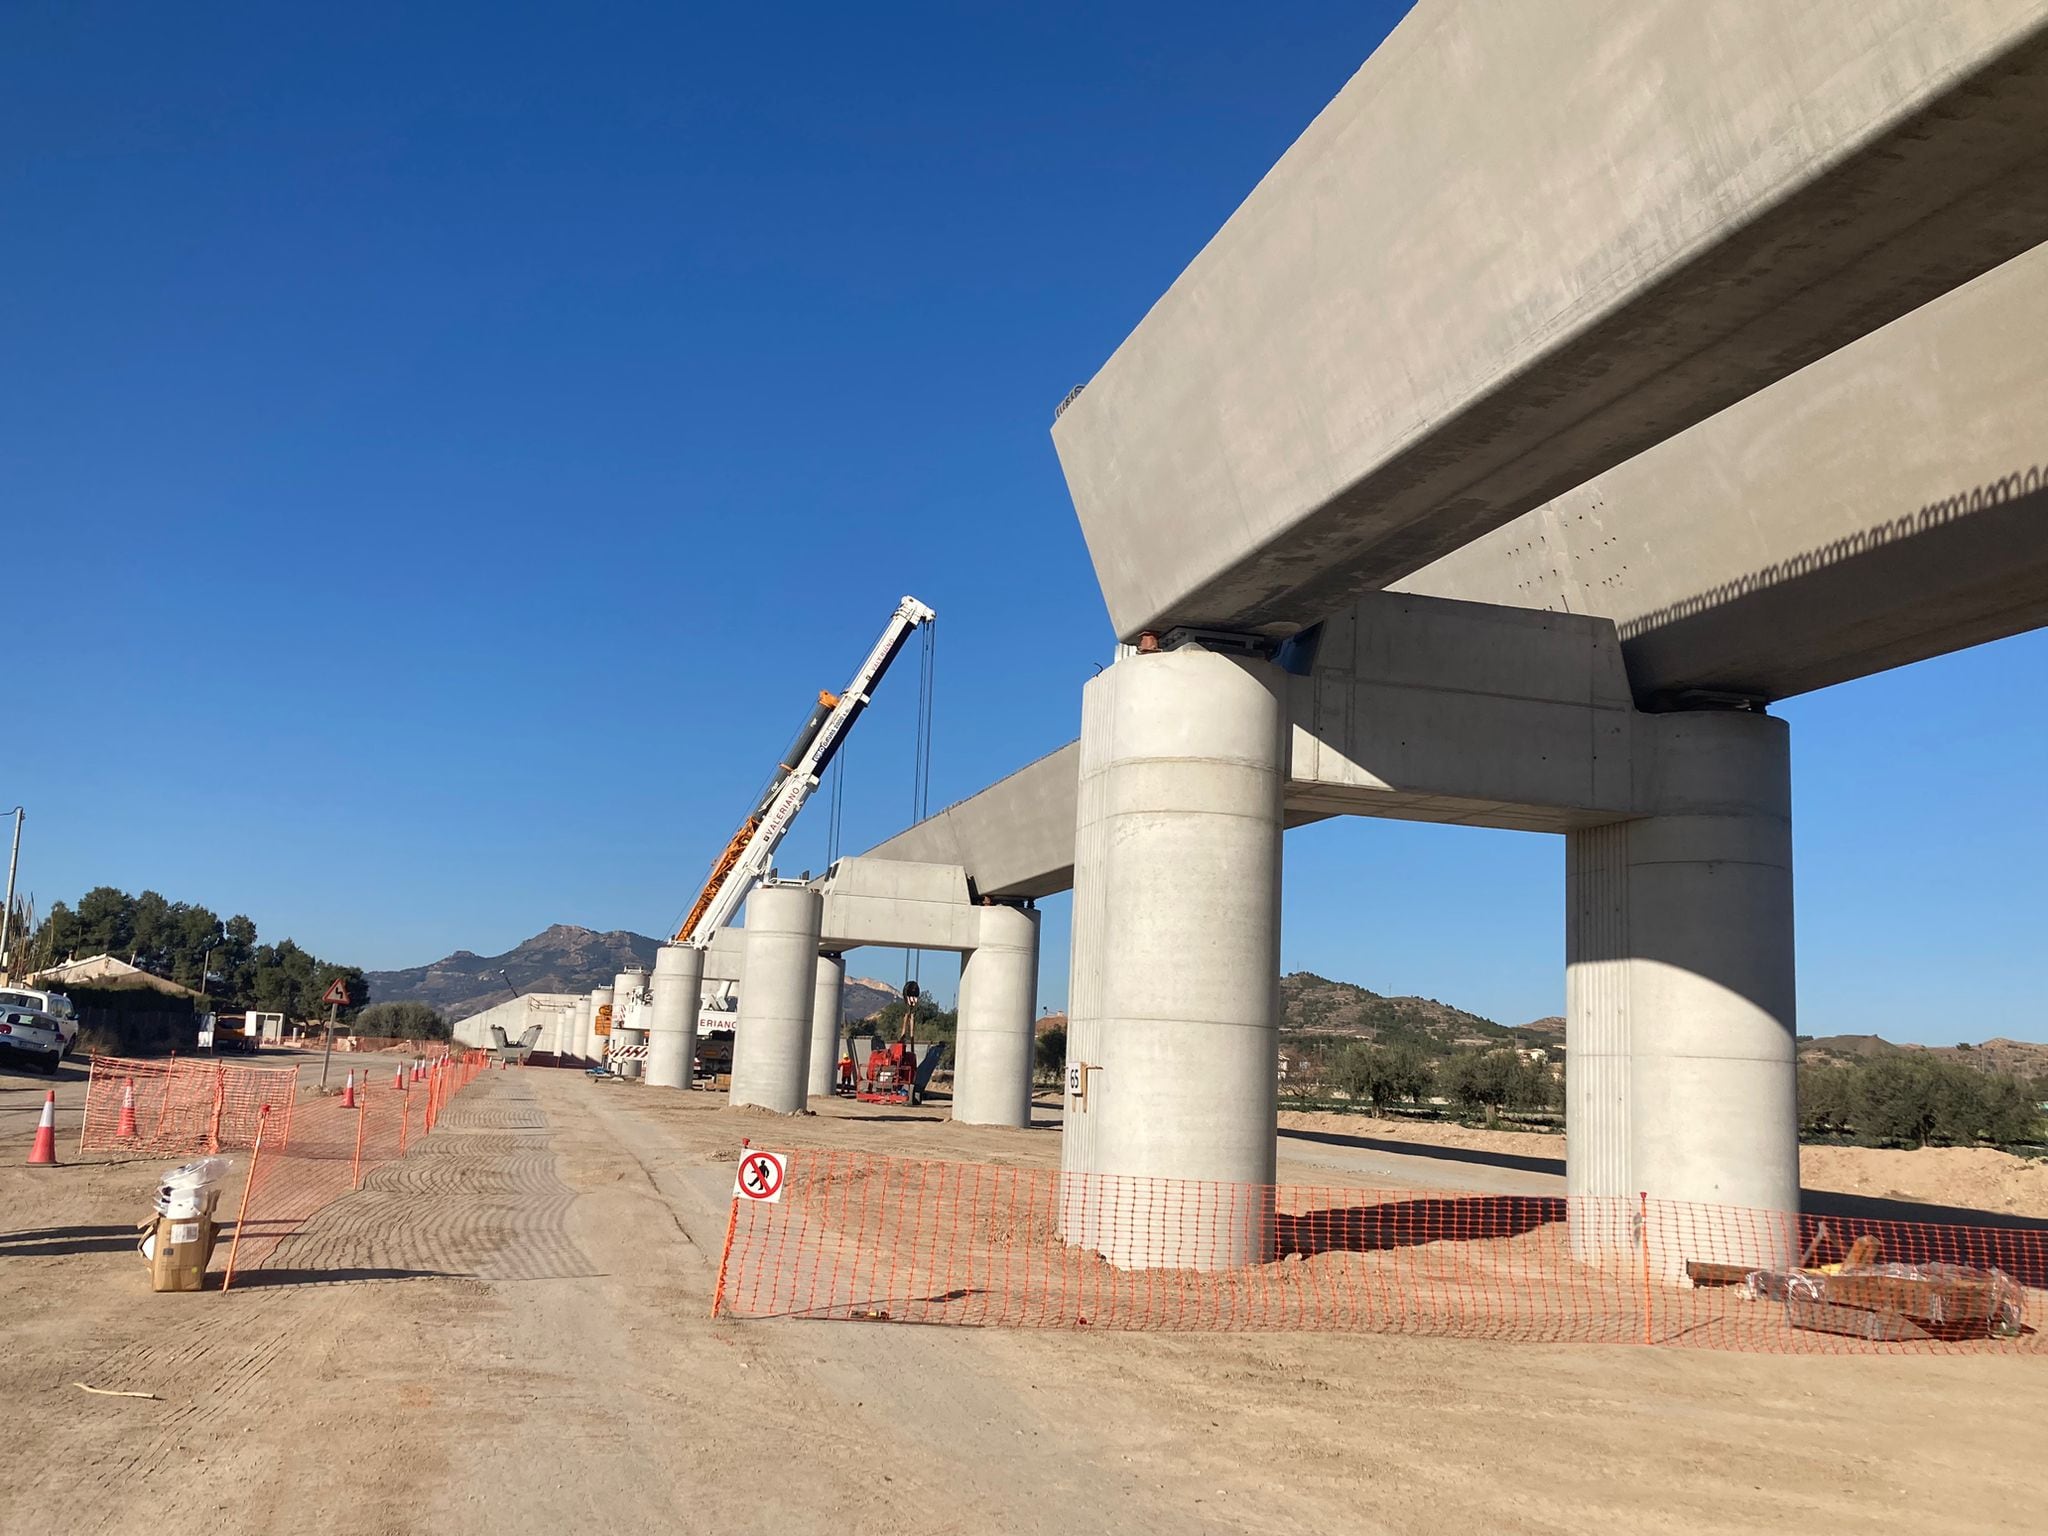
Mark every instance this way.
x=7 y=912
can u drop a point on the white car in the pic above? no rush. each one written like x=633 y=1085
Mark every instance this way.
x=31 y=1033
x=55 y=1004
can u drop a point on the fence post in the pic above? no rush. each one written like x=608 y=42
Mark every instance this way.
x=1643 y=1226
x=732 y=1222
x=249 y=1184
x=163 y=1100
x=92 y=1075
x=404 y=1123
x=362 y=1118
x=220 y=1090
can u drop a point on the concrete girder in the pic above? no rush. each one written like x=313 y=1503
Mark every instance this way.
x=1887 y=504
x=897 y=904
x=1001 y=839
x=1522 y=245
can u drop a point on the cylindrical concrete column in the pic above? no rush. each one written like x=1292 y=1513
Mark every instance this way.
x=600 y=1045
x=772 y=1043
x=998 y=1016
x=1712 y=996
x=629 y=1015
x=579 y=1030
x=1178 y=1012
x=827 y=991
x=1598 y=1176
x=672 y=1019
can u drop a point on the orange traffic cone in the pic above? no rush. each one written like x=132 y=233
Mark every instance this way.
x=348 y=1091
x=398 y=1078
x=44 y=1152
x=125 y=1129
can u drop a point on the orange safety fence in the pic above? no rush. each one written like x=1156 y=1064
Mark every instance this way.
x=173 y=1107
x=333 y=1149
x=862 y=1236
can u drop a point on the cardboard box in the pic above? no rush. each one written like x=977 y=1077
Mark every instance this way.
x=182 y=1250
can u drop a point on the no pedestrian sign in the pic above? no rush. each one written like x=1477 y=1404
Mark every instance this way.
x=759 y=1177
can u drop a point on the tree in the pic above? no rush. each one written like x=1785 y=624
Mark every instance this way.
x=1383 y=1074
x=106 y=922
x=401 y=1021
x=1895 y=1101
x=1051 y=1051
x=1912 y=1099
x=1499 y=1079
x=1826 y=1099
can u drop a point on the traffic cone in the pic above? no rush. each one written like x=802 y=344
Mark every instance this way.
x=398 y=1078
x=45 y=1150
x=125 y=1129
x=348 y=1091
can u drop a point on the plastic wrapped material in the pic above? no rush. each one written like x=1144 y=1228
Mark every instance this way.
x=1768 y=1284
x=191 y=1189
x=1893 y=1301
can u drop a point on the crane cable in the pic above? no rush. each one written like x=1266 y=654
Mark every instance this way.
x=838 y=803
x=921 y=760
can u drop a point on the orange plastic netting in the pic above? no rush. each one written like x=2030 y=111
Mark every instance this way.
x=872 y=1237
x=173 y=1107
x=333 y=1148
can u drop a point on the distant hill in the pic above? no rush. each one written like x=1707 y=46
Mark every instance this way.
x=865 y=997
x=2022 y=1058
x=563 y=958
x=1315 y=1005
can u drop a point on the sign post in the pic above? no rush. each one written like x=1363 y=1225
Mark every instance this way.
x=757 y=1181
x=336 y=998
x=759 y=1176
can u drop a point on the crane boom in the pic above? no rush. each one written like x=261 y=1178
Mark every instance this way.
x=752 y=848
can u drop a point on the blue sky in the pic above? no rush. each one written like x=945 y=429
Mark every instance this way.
x=456 y=439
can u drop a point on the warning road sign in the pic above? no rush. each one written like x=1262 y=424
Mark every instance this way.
x=336 y=993
x=760 y=1175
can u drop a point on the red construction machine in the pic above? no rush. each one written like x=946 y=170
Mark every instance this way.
x=891 y=1076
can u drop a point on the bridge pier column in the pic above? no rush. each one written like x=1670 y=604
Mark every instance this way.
x=576 y=1044
x=1174 y=1000
x=1681 y=999
x=626 y=1006
x=595 y=1044
x=828 y=989
x=672 y=1020
x=772 y=1040
x=998 y=1016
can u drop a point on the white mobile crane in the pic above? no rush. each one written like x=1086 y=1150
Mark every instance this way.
x=752 y=849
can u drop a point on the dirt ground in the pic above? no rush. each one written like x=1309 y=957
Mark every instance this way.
x=507 y=1331
x=1952 y=1178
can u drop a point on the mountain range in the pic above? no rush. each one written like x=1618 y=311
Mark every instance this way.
x=566 y=958
x=563 y=958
